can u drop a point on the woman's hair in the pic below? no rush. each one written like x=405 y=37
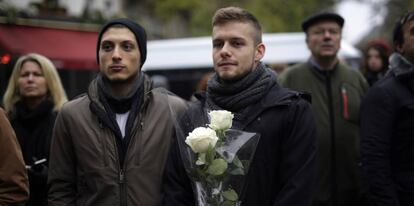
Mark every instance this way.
x=384 y=51
x=54 y=85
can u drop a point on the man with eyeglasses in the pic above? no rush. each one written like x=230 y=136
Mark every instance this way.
x=337 y=91
x=387 y=125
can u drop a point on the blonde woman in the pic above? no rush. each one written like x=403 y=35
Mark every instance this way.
x=33 y=97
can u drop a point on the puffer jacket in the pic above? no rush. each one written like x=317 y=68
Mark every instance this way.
x=84 y=162
x=14 y=184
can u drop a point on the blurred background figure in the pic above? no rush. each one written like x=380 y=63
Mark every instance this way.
x=14 y=185
x=375 y=62
x=160 y=81
x=33 y=97
x=202 y=84
x=337 y=91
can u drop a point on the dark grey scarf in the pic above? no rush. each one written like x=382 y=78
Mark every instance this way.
x=238 y=95
x=132 y=102
x=122 y=104
x=403 y=69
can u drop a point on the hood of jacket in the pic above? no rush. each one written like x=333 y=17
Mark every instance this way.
x=401 y=67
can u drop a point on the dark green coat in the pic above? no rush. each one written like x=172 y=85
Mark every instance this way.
x=336 y=97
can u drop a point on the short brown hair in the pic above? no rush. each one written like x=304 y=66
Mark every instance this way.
x=231 y=14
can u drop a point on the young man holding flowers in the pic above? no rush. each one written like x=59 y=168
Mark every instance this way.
x=282 y=169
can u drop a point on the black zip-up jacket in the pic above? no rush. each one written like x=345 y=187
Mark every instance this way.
x=387 y=136
x=283 y=169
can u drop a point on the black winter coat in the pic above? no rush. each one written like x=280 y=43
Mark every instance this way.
x=387 y=137
x=34 y=131
x=283 y=169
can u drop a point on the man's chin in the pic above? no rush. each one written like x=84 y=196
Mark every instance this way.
x=120 y=79
x=229 y=77
x=117 y=79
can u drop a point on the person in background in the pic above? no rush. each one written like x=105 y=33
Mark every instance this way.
x=282 y=170
x=387 y=125
x=375 y=63
x=202 y=83
x=14 y=184
x=32 y=99
x=337 y=91
x=110 y=145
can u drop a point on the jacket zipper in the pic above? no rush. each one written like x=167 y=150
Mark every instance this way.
x=122 y=186
x=122 y=178
x=334 y=185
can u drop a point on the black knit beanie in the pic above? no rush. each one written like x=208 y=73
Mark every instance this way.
x=138 y=31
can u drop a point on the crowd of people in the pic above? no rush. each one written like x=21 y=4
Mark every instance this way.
x=330 y=135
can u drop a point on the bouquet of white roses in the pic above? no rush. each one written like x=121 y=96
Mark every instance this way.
x=219 y=160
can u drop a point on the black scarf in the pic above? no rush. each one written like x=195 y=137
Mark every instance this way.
x=132 y=102
x=238 y=95
x=122 y=104
x=34 y=129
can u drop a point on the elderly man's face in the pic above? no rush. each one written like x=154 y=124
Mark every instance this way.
x=119 y=55
x=407 y=48
x=324 y=39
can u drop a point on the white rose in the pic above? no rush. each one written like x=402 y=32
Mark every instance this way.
x=200 y=138
x=220 y=119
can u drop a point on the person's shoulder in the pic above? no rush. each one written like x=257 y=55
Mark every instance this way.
x=165 y=97
x=387 y=86
x=282 y=94
x=352 y=71
x=3 y=116
x=76 y=104
x=292 y=72
x=296 y=68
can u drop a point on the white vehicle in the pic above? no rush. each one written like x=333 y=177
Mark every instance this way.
x=195 y=53
x=179 y=64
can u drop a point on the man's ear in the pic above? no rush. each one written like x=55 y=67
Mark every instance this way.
x=399 y=48
x=260 y=52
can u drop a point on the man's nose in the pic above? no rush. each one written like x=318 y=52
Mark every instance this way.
x=327 y=35
x=225 y=50
x=116 y=55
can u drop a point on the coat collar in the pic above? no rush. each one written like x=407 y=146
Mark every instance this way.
x=93 y=93
x=401 y=67
x=277 y=96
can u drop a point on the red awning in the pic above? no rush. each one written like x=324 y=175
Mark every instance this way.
x=67 y=49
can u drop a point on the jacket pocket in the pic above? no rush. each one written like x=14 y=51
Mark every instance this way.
x=350 y=102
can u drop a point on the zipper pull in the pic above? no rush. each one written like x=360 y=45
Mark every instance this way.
x=345 y=102
x=121 y=177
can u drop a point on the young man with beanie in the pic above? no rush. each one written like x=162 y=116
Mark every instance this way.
x=337 y=91
x=387 y=125
x=282 y=169
x=110 y=145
